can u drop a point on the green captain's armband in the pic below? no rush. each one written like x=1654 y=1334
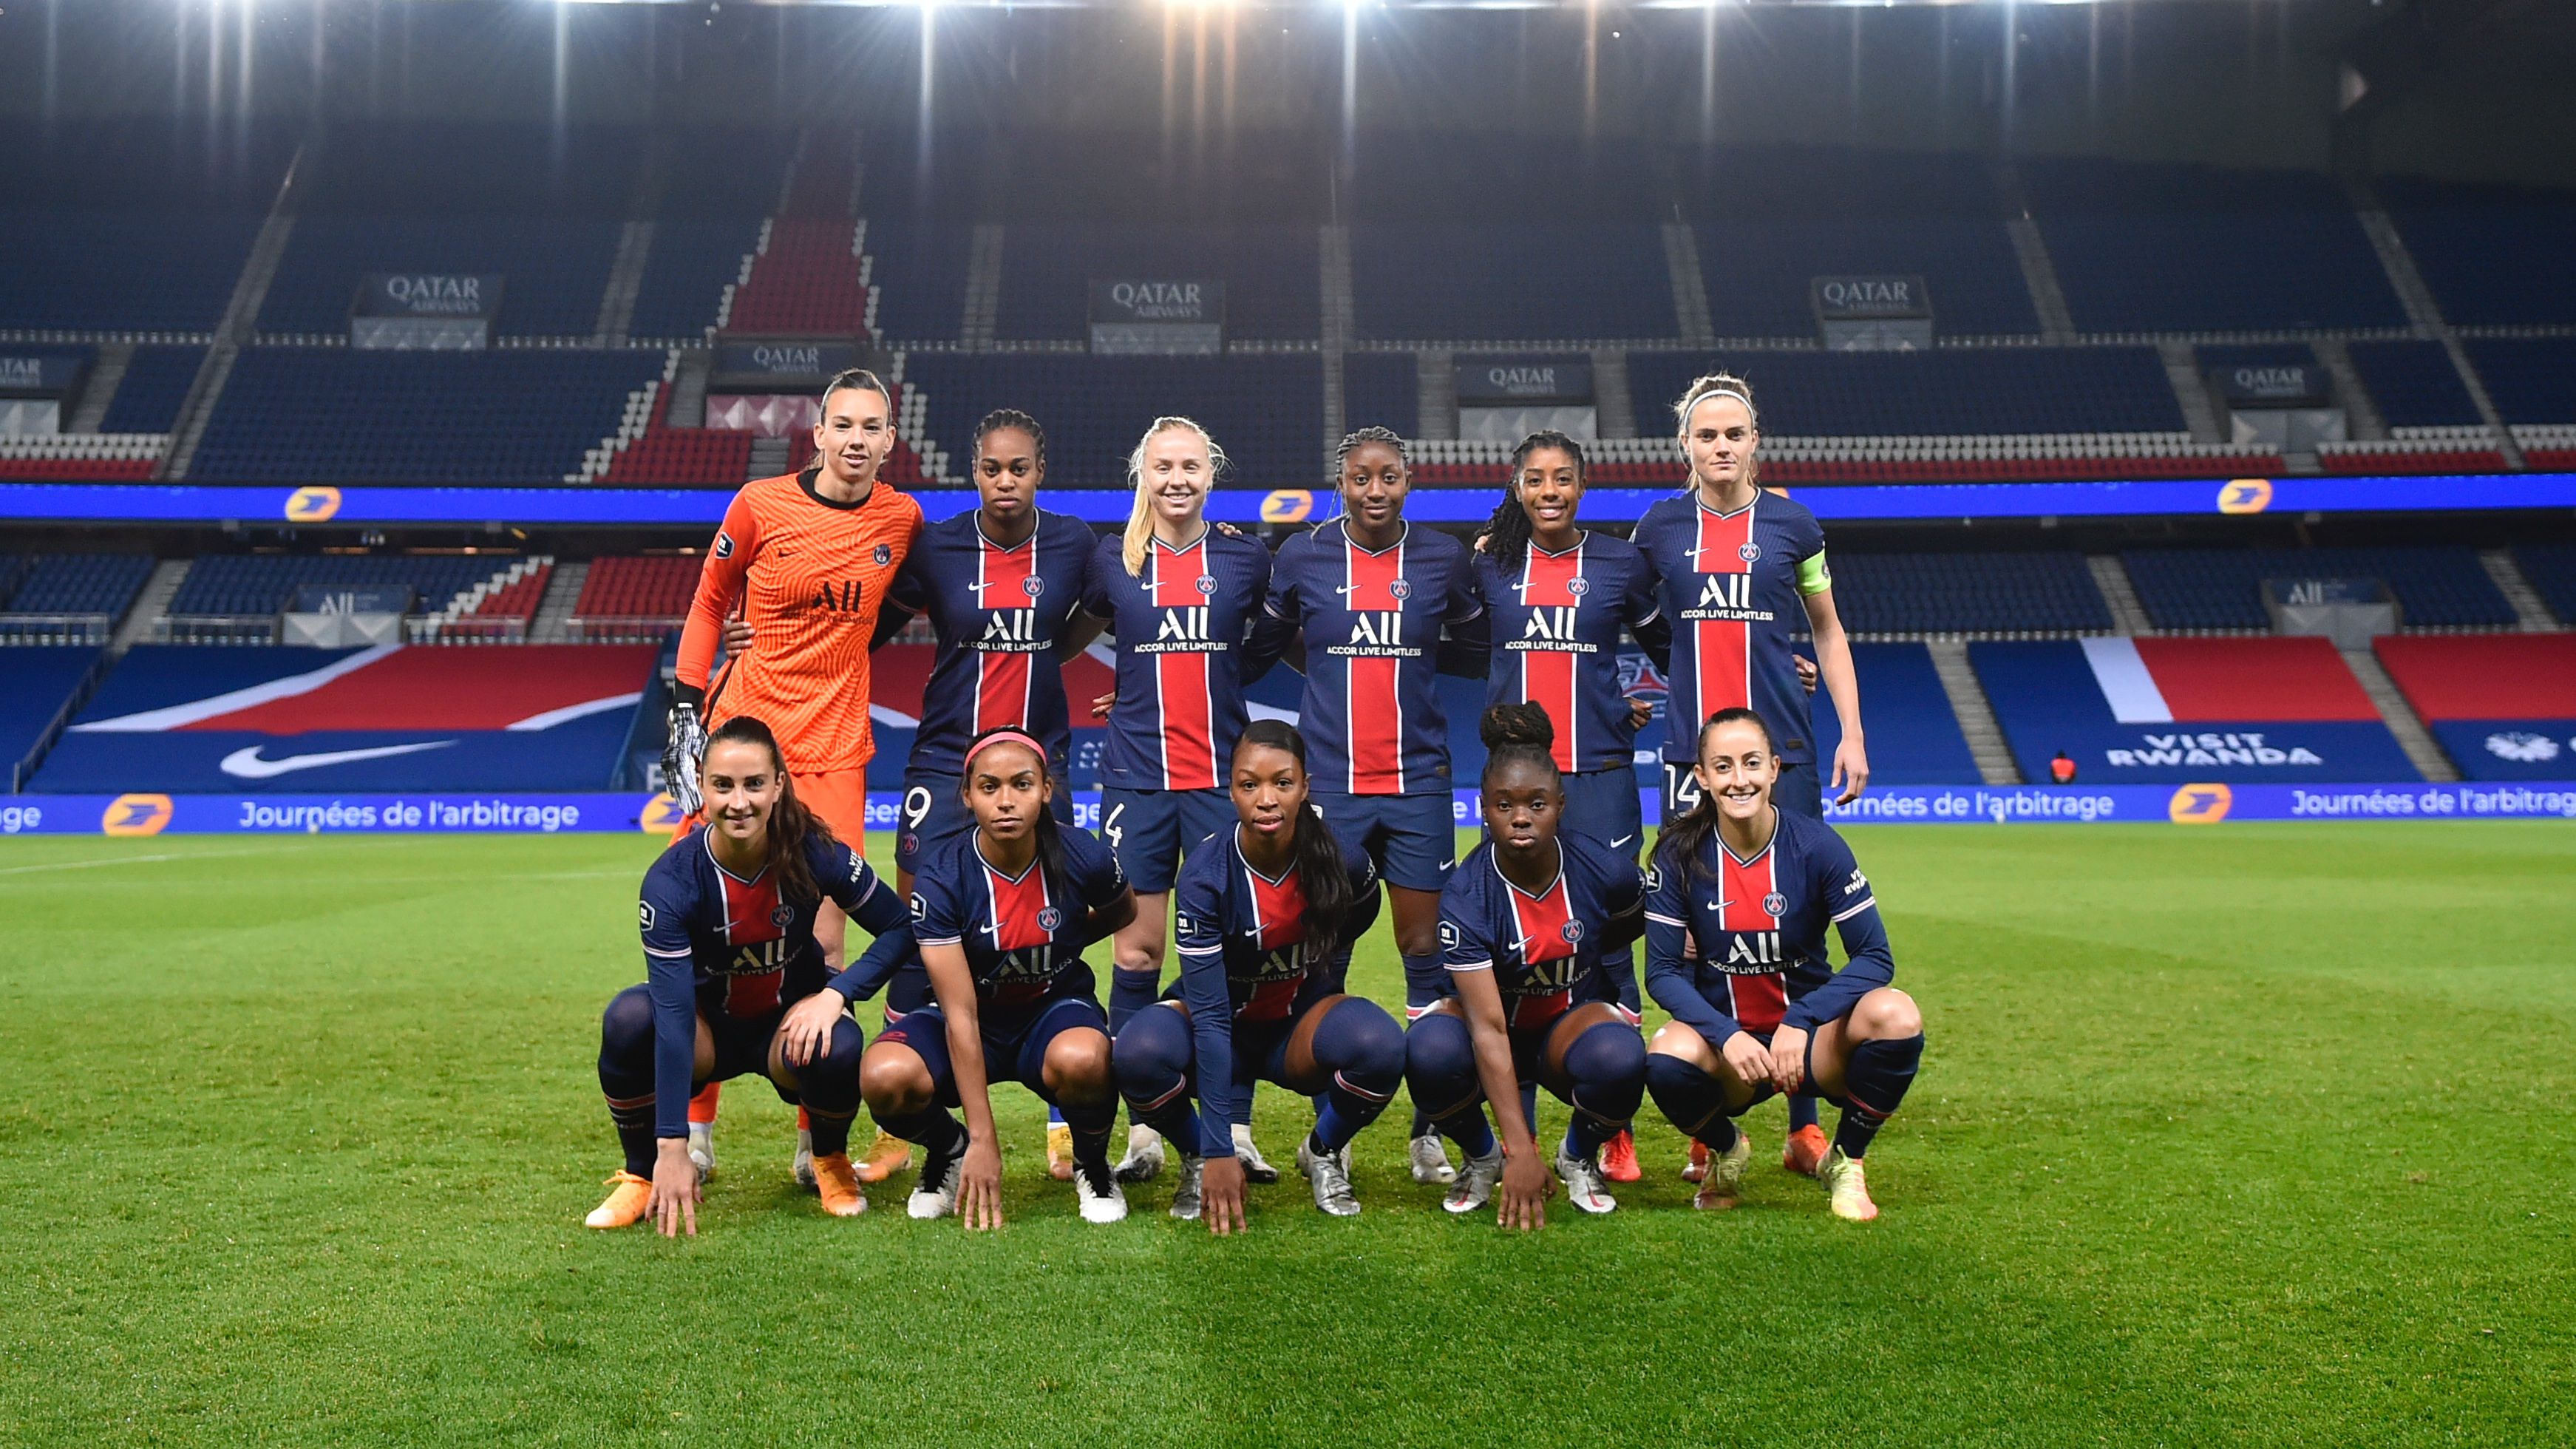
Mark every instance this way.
x=1813 y=577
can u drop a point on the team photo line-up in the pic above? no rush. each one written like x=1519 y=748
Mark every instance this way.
x=1255 y=851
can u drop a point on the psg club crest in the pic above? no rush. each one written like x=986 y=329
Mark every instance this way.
x=1050 y=918
x=1774 y=904
x=885 y=554
x=1207 y=584
x=1401 y=588
x=782 y=915
x=1572 y=931
x=1033 y=586
x=910 y=845
x=1749 y=552
x=724 y=545
x=1578 y=587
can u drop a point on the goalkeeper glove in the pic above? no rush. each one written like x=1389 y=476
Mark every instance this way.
x=682 y=751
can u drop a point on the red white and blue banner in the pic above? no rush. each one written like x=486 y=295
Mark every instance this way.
x=2503 y=706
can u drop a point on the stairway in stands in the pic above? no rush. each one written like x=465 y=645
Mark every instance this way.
x=807 y=279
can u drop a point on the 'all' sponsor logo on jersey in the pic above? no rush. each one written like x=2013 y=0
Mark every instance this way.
x=1727 y=591
x=1553 y=622
x=1184 y=626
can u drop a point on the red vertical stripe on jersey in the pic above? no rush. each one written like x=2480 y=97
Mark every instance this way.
x=1002 y=675
x=748 y=909
x=1758 y=1001
x=1375 y=712
x=1547 y=675
x=1181 y=677
x=1722 y=649
x=1279 y=912
x=1540 y=921
x=1017 y=909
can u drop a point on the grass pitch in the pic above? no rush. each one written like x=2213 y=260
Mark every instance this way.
x=2252 y=1134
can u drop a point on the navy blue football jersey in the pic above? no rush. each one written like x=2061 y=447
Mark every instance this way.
x=1555 y=620
x=1022 y=933
x=721 y=946
x=1000 y=614
x=1371 y=712
x=1182 y=665
x=1734 y=587
x=1541 y=946
x=1740 y=944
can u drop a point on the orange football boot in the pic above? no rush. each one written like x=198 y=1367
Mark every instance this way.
x=1697 y=1167
x=887 y=1156
x=837 y=1182
x=628 y=1195
x=1805 y=1150
x=1619 y=1158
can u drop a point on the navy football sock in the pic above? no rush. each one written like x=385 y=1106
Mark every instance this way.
x=1608 y=1065
x=1129 y=992
x=1693 y=1100
x=830 y=1130
x=1425 y=982
x=1151 y=1057
x=1874 y=1082
x=1469 y=1129
x=1802 y=1110
x=1364 y=1049
x=935 y=1128
x=626 y=1075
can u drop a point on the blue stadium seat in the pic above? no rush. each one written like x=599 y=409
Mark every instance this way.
x=692 y=261
x=554 y=270
x=121 y=271
x=255 y=584
x=2551 y=568
x=1914 y=735
x=83 y=584
x=1382 y=389
x=1871 y=394
x=2415 y=385
x=42 y=679
x=1955 y=593
x=2221 y=588
x=333 y=415
x=1538 y=280
x=1265 y=409
x=1273 y=286
x=2531 y=379
x=2151 y=248
x=156 y=384
x=919 y=273
x=2494 y=256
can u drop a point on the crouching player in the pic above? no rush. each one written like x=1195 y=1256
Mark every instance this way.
x=1736 y=910
x=1526 y=921
x=1002 y=914
x=736 y=983
x=1264 y=925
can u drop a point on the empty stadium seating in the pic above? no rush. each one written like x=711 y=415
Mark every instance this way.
x=93 y=457
x=635 y=598
x=256 y=585
x=694 y=262
x=121 y=271
x=2152 y=248
x=803 y=281
x=2503 y=706
x=1273 y=290
x=1382 y=389
x=554 y=270
x=1419 y=281
x=1952 y=593
x=1949 y=392
x=2221 y=588
x=2532 y=380
x=334 y=415
x=156 y=382
x=43 y=679
x=68 y=597
x=1914 y=735
x=2494 y=256
x=1265 y=410
x=2415 y=386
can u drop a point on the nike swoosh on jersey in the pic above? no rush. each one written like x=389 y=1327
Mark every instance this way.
x=1449 y=865
x=1622 y=840
x=246 y=764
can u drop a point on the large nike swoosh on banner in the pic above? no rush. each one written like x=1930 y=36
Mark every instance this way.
x=246 y=764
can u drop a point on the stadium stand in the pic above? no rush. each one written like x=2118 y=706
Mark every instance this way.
x=156 y=383
x=70 y=597
x=2551 y=569
x=1556 y=281
x=120 y=272
x=1265 y=410
x=553 y=269
x=2439 y=586
x=1914 y=735
x=1273 y=287
x=174 y=717
x=690 y=275
x=2493 y=255
x=2532 y=381
x=44 y=680
x=223 y=589
x=2503 y=706
x=1948 y=593
x=804 y=280
x=92 y=457
x=2415 y=386
x=2182 y=249
x=918 y=269
x=1382 y=389
x=635 y=598
x=1771 y=221
x=333 y=415
x=2166 y=710
x=661 y=454
x=1945 y=393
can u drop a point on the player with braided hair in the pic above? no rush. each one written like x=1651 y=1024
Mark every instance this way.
x=1372 y=597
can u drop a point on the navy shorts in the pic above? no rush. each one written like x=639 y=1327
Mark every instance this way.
x=1151 y=830
x=1796 y=791
x=1763 y=1091
x=1412 y=838
x=1260 y=1050
x=934 y=812
x=1604 y=805
x=1014 y=1050
x=742 y=1046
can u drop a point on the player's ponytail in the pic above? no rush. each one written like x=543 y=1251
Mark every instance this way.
x=1717 y=384
x=1140 y=518
x=1517 y=734
x=794 y=830
x=1321 y=870
x=1686 y=839
x=1507 y=533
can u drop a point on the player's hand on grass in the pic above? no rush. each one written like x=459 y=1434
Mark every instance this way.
x=979 y=1186
x=1100 y=707
x=737 y=635
x=1221 y=1194
x=1747 y=1058
x=674 y=1203
x=1526 y=1189
x=1789 y=1058
x=808 y=1025
x=1851 y=769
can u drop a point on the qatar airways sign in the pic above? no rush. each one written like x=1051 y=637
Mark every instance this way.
x=1158 y=314
x=1869 y=299
x=429 y=294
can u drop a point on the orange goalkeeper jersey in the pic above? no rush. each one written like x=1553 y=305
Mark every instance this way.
x=810 y=574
